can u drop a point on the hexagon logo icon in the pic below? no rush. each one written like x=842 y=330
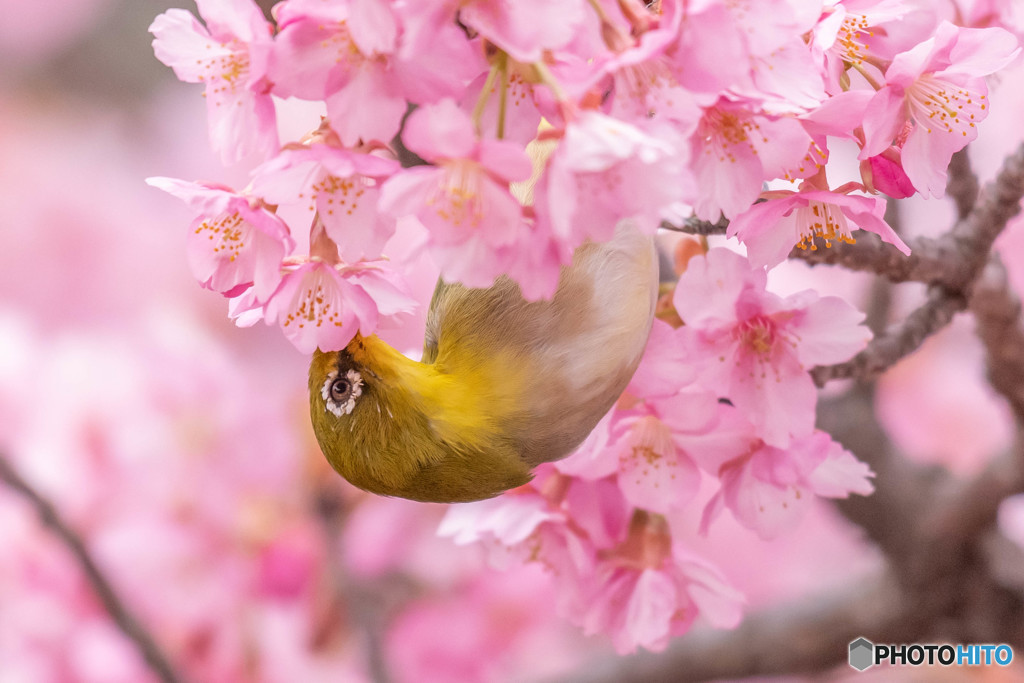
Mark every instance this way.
x=862 y=654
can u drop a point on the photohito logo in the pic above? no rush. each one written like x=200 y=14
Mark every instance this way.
x=864 y=654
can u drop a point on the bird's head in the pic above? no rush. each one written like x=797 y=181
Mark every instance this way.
x=397 y=427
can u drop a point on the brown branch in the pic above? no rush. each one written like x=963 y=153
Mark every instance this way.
x=368 y=604
x=997 y=312
x=962 y=185
x=954 y=260
x=695 y=226
x=887 y=349
x=154 y=657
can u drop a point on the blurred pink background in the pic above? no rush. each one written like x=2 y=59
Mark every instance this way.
x=179 y=445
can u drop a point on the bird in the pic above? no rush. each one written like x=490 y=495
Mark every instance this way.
x=503 y=384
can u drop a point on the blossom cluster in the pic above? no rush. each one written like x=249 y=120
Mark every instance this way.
x=653 y=111
x=646 y=114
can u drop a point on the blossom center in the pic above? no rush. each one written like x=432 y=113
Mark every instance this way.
x=647 y=86
x=457 y=199
x=312 y=305
x=227 y=231
x=725 y=129
x=850 y=43
x=226 y=73
x=941 y=106
x=820 y=219
x=650 y=443
x=332 y=193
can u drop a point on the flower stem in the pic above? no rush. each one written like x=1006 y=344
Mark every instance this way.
x=502 y=94
x=867 y=77
x=548 y=79
x=485 y=93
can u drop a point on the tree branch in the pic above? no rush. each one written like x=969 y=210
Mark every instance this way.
x=154 y=657
x=997 y=312
x=887 y=349
x=962 y=185
x=695 y=226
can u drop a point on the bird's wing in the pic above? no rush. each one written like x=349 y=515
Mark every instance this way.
x=550 y=369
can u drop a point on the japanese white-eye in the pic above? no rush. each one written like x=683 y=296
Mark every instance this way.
x=504 y=384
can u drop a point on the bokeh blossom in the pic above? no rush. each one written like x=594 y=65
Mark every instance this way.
x=372 y=145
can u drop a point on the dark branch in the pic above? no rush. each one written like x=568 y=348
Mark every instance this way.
x=962 y=185
x=115 y=607
x=997 y=312
x=367 y=605
x=887 y=349
x=695 y=226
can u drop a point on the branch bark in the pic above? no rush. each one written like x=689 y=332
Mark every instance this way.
x=154 y=657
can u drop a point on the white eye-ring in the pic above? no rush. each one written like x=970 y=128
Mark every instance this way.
x=340 y=393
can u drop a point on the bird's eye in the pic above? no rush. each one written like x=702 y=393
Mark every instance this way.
x=341 y=388
x=340 y=393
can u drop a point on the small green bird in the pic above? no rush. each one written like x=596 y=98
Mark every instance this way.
x=504 y=384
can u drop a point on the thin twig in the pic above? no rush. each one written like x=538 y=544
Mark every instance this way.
x=695 y=226
x=155 y=658
x=887 y=349
x=364 y=605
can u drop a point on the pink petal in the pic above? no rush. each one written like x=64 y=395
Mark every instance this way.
x=664 y=370
x=526 y=27
x=830 y=331
x=651 y=606
x=241 y=19
x=506 y=160
x=440 y=131
x=180 y=41
x=353 y=121
x=926 y=156
x=711 y=285
x=841 y=474
x=883 y=119
x=304 y=61
x=373 y=26
x=731 y=437
x=592 y=459
x=768 y=509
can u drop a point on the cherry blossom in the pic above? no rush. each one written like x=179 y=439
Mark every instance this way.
x=734 y=150
x=937 y=90
x=346 y=52
x=769 y=489
x=230 y=56
x=605 y=171
x=235 y=243
x=464 y=200
x=342 y=186
x=757 y=347
x=808 y=218
x=319 y=305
